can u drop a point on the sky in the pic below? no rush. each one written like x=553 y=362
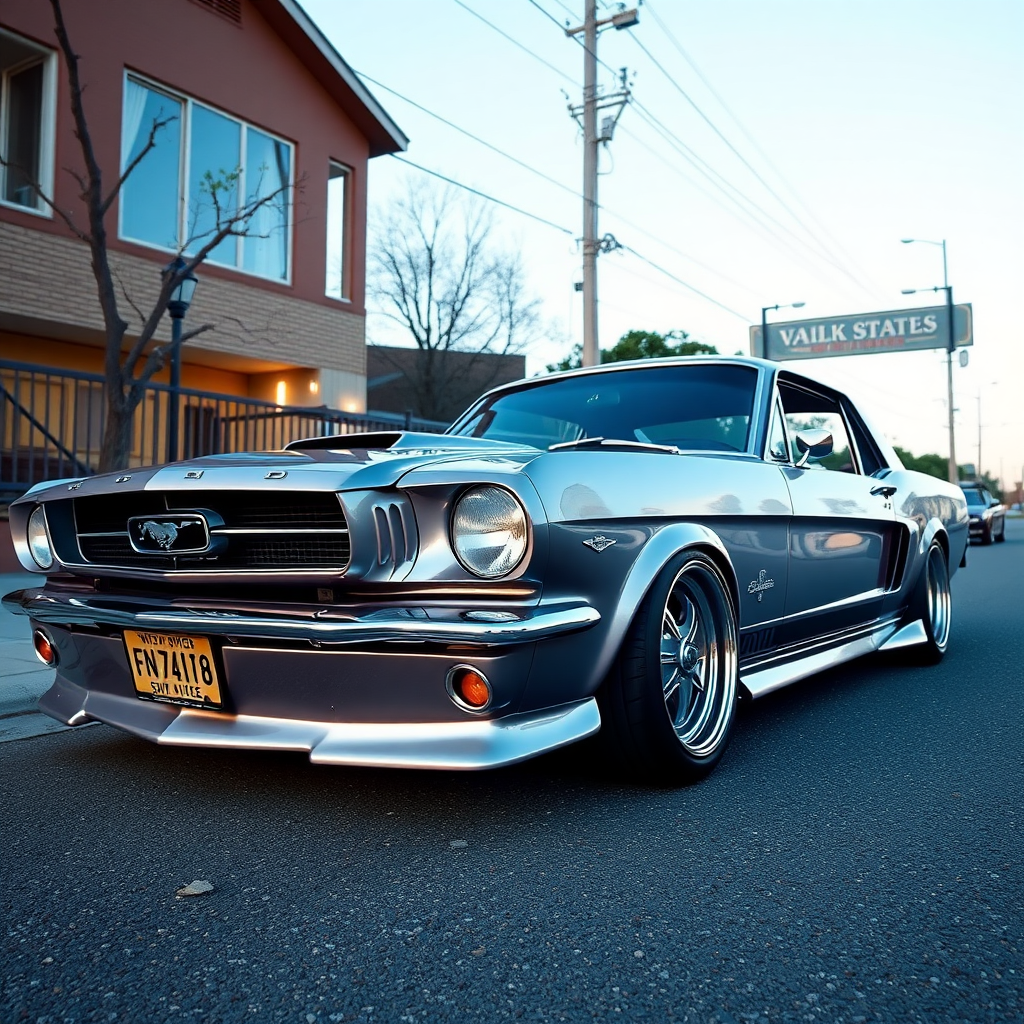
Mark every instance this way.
x=779 y=153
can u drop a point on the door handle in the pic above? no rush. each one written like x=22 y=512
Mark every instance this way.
x=885 y=490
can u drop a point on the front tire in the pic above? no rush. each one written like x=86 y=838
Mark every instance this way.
x=670 y=700
x=1002 y=532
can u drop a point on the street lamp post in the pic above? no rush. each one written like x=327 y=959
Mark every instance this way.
x=765 y=310
x=953 y=471
x=177 y=306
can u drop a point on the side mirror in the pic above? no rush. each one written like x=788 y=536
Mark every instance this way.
x=813 y=444
x=994 y=502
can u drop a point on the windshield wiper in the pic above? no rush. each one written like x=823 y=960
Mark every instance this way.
x=612 y=442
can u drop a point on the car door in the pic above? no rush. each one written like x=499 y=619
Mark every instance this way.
x=843 y=527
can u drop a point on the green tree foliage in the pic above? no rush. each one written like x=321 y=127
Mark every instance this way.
x=934 y=465
x=938 y=466
x=640 y=345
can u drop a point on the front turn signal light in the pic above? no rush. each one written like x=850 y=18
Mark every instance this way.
x=469 y=688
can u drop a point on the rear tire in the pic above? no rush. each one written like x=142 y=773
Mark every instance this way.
x=669 y=702
x=933 y=605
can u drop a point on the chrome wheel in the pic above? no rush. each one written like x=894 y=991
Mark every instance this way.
x=938 y=597
x=698 y=659
x=668 y=704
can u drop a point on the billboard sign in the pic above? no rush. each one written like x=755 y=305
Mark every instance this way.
x=898 y=330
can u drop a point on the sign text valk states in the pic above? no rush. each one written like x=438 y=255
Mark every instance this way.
x=896 y=330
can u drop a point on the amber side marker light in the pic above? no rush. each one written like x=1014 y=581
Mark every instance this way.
x=46 y=652
x=469 y=688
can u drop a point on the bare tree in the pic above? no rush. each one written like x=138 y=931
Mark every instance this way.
x=127 y=373
x=435 y=271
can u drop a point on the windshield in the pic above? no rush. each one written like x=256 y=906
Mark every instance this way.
x=697 y=406
x=975 y=496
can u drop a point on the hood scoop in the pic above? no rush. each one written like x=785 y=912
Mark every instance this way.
x=399 y=441
x=380 y=440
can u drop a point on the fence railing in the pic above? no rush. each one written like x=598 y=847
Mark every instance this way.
x=52 y=422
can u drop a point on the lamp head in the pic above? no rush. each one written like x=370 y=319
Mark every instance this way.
x=181 y=295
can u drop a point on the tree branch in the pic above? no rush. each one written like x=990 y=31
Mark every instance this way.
x=158 y=124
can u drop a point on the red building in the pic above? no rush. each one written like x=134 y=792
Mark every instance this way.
x=254 y=96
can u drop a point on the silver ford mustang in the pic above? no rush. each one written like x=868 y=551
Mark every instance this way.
x=628 y=549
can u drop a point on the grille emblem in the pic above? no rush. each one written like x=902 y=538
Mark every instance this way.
x=171 y=534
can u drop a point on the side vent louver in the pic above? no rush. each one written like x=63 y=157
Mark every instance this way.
x=396 y=535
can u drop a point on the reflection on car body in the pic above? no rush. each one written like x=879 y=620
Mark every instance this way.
x=627 y=549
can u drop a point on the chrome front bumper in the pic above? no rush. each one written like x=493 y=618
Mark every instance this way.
x=324 y=626
x=467 y=745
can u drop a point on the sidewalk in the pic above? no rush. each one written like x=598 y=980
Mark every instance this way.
x=23 y=678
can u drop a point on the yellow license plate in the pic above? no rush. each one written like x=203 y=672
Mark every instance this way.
x=173 y=667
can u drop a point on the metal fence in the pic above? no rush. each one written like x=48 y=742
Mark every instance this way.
x=52 y=422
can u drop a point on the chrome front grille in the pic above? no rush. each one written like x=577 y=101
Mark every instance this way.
x=296 y=530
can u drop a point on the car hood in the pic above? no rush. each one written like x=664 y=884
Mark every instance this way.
x=343 y=462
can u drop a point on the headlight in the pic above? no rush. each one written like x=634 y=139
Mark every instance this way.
x=38 y=540
x=489 y=532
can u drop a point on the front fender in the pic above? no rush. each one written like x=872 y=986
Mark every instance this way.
x=654 y=556
x=573 y=667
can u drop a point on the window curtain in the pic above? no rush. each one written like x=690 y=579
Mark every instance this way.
x=134 y=107
x=268 y=171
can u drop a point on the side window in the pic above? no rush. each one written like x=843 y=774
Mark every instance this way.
x=336 y=277
x=871 y=459
x=27 y=94
x=777 y=448
x=806 y=410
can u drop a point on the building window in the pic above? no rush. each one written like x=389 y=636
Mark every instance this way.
x=203 y=168
x=27 y=95
x=337 y=232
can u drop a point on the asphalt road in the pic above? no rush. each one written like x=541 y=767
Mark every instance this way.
x=856 y=857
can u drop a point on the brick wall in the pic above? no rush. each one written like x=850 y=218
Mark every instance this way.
x=47 y=279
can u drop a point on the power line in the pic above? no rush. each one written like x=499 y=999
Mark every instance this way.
x=475 y=138
x=749 y=137
x=708 y=171
x=739 y=199
x=711 y=124
x=698 y=162
x=568 y=10
x=553 y=181
x=565 y=231
x=483 y=195
x=725 y=186
x=575 y=39
x=690 y=287
x=515 y=42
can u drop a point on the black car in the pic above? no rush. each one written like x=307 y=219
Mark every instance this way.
x=988 y=514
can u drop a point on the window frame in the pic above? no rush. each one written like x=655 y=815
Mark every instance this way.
x=840 y=403
x=47 y=121
x=184 y=161
x=345 y=281
x=778 y=415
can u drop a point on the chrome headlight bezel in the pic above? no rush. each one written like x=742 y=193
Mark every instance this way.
x=37 y=536
x=469 y=513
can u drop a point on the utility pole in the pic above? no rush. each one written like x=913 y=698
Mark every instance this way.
x=953 y=469
x=586 y=115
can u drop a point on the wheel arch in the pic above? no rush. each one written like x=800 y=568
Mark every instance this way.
x=665 y=545
x=934 y=530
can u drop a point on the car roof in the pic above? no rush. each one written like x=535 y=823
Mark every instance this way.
x=765 y=366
